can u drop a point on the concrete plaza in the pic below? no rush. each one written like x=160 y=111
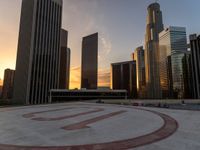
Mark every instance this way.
x=88 y=126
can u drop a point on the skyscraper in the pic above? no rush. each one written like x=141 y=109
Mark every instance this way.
x=68 y=54
x=173 y=48
x=195 y=63
x=140 y=66
x=133 y=56
x=187 y=74
x=64 y=61
x=89 y=66
x=7 y=90
x=124 y=77
x=38 y=56
x=180 y=78
x=1 y=87
x=153 y=28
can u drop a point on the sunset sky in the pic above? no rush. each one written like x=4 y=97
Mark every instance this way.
x=120 y=23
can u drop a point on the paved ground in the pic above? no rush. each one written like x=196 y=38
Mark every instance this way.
x=88 y=126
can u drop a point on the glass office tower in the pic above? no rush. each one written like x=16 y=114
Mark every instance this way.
x=89 y=70
x=180 y=75
x=173 y=60
x=195 y=63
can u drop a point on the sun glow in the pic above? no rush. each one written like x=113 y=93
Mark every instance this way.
x=75 y=77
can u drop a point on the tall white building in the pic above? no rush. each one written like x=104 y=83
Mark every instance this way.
x=38 y=56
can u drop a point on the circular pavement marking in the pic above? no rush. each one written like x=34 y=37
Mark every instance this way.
x=167 y=129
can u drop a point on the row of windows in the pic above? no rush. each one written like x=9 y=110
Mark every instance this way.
x=89 y=94
x=195 y=51
x=45 y=62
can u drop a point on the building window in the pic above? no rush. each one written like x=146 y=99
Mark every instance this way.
x=152 y=34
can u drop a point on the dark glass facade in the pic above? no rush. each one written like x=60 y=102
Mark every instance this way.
x=124 y=77
x=69 y=95
x=1 y=87
x=89 y=70
x=7 y=90
x=195 y=63
x=181 y=75
x=172 y=47
x=187 y=74
x=170 y=92
x=64 y=61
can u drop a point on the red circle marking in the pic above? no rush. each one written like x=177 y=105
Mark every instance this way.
x=170 y=126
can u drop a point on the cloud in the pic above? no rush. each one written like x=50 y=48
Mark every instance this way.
x=1 y=82
x=107 y=46
x=75 y=77
x=88 y=22
x=104 y=77
x=90 y=25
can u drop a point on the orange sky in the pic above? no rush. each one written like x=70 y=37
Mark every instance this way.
x=120 y=24
x=103 y=77
x=1 y=82
x=9 y=29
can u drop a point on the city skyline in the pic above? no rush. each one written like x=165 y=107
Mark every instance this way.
x=128 y=24
x=83 y=66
